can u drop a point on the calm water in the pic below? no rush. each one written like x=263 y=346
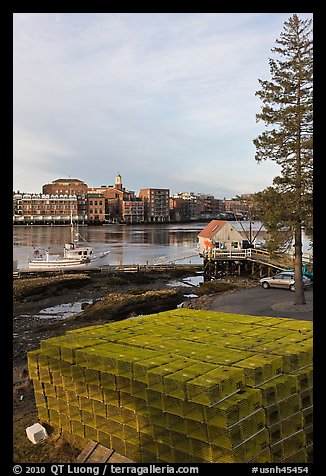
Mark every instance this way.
x=134 y=244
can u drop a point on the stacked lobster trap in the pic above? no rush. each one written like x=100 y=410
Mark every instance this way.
x=183 y=386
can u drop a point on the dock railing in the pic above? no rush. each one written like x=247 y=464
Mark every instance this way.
x=277 y=260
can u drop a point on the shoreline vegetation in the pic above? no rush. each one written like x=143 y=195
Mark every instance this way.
x=107 y=298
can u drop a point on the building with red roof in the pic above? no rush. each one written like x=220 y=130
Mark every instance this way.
x=220 y=235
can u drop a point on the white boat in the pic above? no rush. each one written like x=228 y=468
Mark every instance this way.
x=75 y=255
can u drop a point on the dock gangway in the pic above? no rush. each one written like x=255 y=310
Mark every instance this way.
x=169 y=259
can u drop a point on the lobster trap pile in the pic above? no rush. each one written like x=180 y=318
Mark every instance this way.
x=183 y=386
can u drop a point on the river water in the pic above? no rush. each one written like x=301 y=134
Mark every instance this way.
x=128 y=244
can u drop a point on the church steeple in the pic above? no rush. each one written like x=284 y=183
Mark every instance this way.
x=118 y=182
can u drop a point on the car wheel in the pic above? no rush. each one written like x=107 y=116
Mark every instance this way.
x=265 y=285
x=292 y=288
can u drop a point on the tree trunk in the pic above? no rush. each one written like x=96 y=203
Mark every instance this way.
x=299 y=290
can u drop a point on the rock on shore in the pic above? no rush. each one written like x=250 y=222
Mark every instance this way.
x=117 y=306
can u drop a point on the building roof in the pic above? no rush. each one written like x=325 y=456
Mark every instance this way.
x=212 y=228
x=67 y=180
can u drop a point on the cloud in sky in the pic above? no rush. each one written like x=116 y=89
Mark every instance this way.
x=166 y=99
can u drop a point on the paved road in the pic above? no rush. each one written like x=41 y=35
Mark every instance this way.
x=264 y=302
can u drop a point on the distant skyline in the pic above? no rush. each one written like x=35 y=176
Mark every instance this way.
x=165 y=99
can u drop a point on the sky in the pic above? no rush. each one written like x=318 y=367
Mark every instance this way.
x=165 y=99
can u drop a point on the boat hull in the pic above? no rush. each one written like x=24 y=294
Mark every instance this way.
x=65 y=263
x=69 y=264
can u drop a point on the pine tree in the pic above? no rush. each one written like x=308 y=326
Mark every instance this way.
x=288 y=110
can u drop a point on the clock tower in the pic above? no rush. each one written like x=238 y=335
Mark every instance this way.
x=118 y=182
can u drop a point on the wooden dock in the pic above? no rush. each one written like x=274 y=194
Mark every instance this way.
x=128 y=268
x=249 y=261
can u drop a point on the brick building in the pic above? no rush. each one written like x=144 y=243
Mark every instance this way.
x=207 y=206
x=186 y=206
x=181 y=210
x=46 y=209
x=65 y=187
x=156 y=204
x=238 y=207
x=114 y=196
x=69 y=186
x=95 y=207
x=133 y=211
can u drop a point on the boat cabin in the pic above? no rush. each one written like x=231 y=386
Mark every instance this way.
x=220 y=235
x=73 y=251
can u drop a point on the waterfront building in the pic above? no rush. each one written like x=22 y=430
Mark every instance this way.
x=44 y=209
x=183 y=206
x=64 y=186
x=156 y=204
x=182 y=210
x=186 y=206
x=95 y=208
x=207 y=206
x=70 y=186
x=133 y=211
x=114 y=196
x=238 y=207
x=115 y=204
x=220 y=235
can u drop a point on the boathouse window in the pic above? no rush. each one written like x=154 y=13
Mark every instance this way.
x=235 y=244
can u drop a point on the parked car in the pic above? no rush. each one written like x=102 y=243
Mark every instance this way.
x=284 y=279
x=306 y=280
x=305 y=272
